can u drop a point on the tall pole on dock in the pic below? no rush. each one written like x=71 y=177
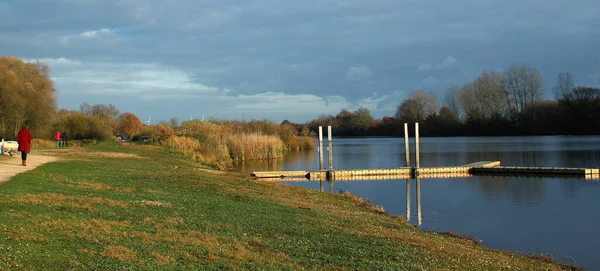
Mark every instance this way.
x=330 y=149
x=320 y=147
x=406 y=147
x=417 y=165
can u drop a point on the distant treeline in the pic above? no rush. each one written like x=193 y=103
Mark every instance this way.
x=495 y=104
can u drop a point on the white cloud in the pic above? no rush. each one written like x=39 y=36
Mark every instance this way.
x=94 y=33
x=424 y=67
x=123 y=79
x=269 y=102
x=384 y=104
x=54 y=62
x=105 y=34
x=448 y=62
x=358 y=73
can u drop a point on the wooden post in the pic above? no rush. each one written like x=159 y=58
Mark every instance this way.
x=330 y=149
x=321 y=186
x=419 y=201
x=407 y=199
x=417 y=164
x=330 y=186
x=406 y=146
x=320 y=147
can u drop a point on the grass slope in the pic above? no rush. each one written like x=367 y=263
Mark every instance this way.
x=113 y=206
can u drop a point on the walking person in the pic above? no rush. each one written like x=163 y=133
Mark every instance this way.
x=24 y=140
x=57 y=139
x=64 y=137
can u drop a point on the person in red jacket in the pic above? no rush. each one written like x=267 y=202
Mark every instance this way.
x=24 y=140
x=57 y=139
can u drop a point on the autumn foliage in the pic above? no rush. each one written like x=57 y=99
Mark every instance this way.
x=26 y=96
x=128 y=124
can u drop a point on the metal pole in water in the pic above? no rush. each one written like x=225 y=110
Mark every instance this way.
x=330 y=149
x=408 y=200
x=419 y=201
x=320 y=147
x=406 y=146
x=321 y=187
x=417 y=165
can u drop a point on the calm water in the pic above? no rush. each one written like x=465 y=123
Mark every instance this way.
x=556 y=216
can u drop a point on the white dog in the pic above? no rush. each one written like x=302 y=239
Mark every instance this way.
x=9 y=147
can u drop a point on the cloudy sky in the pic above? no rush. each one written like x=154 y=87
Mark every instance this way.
x=290 y=59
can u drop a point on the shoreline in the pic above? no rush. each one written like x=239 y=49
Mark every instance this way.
x=274 y=226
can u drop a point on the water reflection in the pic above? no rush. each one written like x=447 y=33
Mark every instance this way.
x=419 y=201
x=407 y=199
x=523 y=190
x=408 y=202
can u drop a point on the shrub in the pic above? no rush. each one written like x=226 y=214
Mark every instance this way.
x=162 y=133
x=42 y=143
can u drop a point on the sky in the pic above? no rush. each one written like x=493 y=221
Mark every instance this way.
x=290 y=59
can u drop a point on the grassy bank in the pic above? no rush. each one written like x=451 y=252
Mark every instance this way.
x=113 y=206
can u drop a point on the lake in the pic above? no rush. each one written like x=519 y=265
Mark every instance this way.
x=556 y=216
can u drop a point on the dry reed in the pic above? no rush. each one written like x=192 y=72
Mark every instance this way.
x=221 y=144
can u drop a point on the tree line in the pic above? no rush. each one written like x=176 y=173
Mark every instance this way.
x=27 y=96
x=505 y=102
x=496 y=103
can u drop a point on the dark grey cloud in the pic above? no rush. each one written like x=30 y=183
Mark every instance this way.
x=354 y=53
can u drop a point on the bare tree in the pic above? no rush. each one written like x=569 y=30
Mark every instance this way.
x=106 y=112
x=489 y=93
x=564 y=85
x=523 y=86
x=407 y=111
x=472 y=109
x=419 y=106
x=451 y=100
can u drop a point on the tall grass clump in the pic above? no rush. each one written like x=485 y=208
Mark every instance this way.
x=215 y=154
x=223 y=143
x=42 y=143
x=255 y=146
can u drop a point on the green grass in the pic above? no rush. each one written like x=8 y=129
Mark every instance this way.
x=112 y=206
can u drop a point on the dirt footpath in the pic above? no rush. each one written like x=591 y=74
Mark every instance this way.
x=12 y=166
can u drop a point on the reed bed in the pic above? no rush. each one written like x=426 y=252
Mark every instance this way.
x=221 y=144
x=254 y=146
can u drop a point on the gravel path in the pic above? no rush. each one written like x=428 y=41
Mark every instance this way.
x=12 y=166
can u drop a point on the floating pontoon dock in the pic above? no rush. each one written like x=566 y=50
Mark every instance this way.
x=478 y=168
